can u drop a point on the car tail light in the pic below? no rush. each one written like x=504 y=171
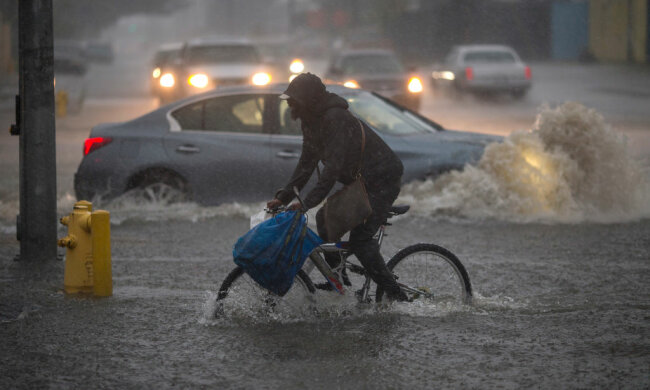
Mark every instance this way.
x=469 y=73
x=528 y=73
x=95 y=143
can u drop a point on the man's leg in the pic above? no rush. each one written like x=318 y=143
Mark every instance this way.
x=333 y=259
x=366 y=248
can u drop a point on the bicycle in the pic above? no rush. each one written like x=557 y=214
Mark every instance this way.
x=425 y=272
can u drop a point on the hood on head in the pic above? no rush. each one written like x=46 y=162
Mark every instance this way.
x=308 y=90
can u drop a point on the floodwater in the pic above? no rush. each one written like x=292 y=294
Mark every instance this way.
x=556 y=306
x=553 y=226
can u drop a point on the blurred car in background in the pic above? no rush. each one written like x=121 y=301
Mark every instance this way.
x=276 y=53
x=205 y=64
x=286 y=60
x=163 y=61
x=100 y=52
x=378 y=70
x=240 y=144
x=482 y=69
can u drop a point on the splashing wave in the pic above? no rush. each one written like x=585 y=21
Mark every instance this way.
x=571 y=167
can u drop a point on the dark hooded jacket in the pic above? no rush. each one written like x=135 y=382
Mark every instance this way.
x=332 y=135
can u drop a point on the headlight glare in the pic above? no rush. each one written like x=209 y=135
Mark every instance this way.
x=261 y=78
x=156 y=73
x=167 y=80
x=198 y=80
x=351 y=84
x=415 y=85
x=297 y=66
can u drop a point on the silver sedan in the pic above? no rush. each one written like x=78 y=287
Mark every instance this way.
x=240 y=144
x=482 y=69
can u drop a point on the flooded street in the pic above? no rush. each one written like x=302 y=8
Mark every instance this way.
x=560 y=276
x=556 y=306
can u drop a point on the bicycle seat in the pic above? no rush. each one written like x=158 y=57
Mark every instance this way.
x=399 y=209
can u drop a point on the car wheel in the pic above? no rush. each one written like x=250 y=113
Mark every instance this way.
x=159 y=187
x=163 y=193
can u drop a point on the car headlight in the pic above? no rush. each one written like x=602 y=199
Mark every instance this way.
x=198 y=80
x=351 y=84
x=415 y=85
x=156 y=73
x=445 y=75
x=167 y=80
x=293 y=76
x=297 y=66
x=261 y=78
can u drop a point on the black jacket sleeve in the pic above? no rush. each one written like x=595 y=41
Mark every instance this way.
x=303 y=171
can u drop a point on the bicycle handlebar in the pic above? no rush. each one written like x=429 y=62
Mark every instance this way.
x=283 y=208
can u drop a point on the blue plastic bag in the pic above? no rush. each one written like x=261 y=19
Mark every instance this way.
x=273 y=252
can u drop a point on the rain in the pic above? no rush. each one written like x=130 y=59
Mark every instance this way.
x=523 y=128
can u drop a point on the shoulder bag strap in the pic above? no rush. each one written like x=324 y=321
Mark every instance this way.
x=363 y=148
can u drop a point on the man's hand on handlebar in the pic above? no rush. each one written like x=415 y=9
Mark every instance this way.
x=273 y=204
x=276 y=204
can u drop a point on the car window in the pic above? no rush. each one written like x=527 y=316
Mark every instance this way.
x=288 y=126
x=385 y=118
x=239 y=113
x=197 y=55
x=165 y=57
x=190 y=117
x=489 y=57
x=375 y=63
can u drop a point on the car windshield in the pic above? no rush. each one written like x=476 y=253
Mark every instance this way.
x=222 y=54
x=385 y=118
x=165 y=57
x=375 y=63
x=500 y=57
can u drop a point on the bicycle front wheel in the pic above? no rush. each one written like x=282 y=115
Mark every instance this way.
x=239 y=293
x=430 y=272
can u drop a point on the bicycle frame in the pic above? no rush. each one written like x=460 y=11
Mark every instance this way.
x=334 y=275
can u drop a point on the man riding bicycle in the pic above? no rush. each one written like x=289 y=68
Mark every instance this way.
x=332 y=135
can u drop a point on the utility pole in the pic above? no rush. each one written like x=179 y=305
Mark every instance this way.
x=36 y=127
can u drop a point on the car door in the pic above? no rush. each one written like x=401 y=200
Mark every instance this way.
x=221 y=145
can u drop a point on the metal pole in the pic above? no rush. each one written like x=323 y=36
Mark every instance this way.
x=37 y=221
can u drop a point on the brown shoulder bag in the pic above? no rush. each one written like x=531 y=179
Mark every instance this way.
x=348 y=207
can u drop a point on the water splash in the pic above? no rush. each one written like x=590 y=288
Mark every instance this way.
x=570 y=167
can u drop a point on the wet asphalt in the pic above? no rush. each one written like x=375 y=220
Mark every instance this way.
x=557 y=306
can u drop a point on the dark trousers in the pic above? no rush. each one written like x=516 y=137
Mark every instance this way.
x=362 y=244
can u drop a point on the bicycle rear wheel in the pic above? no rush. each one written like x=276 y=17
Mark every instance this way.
x=430 y=272
x=239 y=293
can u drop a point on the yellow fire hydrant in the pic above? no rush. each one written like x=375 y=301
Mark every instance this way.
x=88 y=254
